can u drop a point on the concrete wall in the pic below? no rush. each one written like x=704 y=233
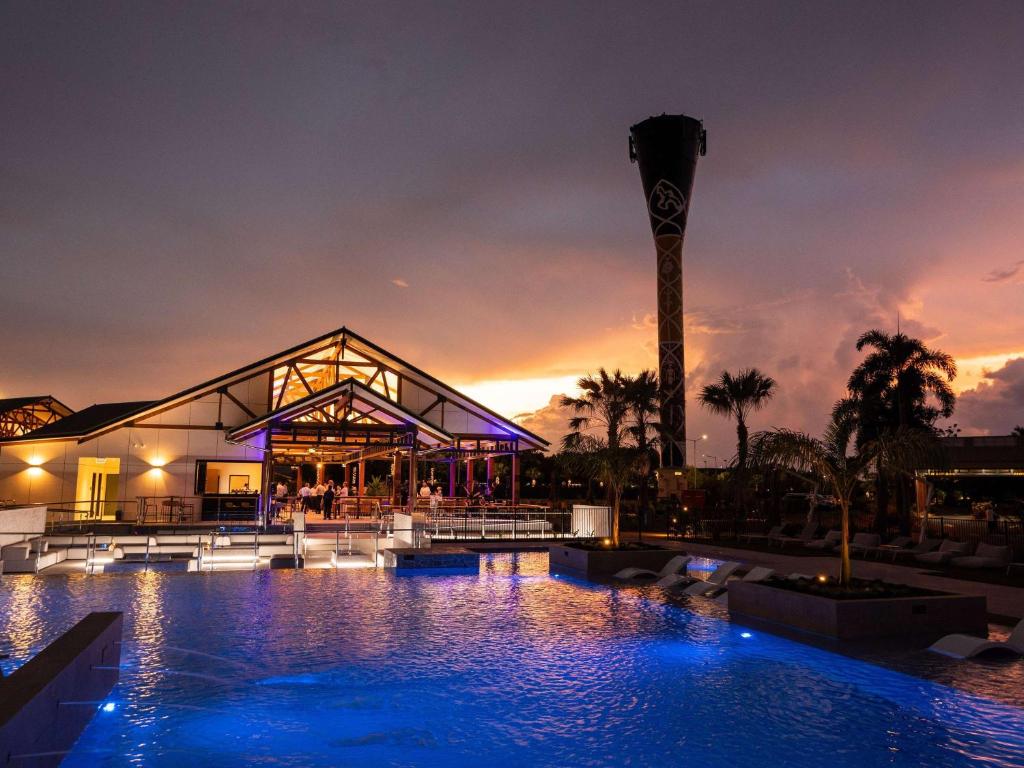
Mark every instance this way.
x=153 y=462
x=16 y=522
x=39 y=719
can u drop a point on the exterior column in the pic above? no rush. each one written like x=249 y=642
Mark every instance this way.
x=515 y=476
x=361 y=477
x=469 y=477
x=412 y=476
x=266 y=492
x=396 y=479
x=453 y=471
x=490 y=470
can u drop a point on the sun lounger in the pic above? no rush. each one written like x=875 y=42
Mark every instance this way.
x=863 y=543
x=921 y=548
x=830 y=542
x=714 y=582
x=985 y=556
x=757 y=573
x=674 y=566
x=806 y=535
x=946 y=552
x=772 y=535
x=899 y=544
x=966 y=646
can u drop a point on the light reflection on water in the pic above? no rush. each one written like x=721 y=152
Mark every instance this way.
x=509 y=666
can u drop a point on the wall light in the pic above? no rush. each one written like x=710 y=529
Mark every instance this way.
x=35 y=461
x=34 y=471
x=157 y=462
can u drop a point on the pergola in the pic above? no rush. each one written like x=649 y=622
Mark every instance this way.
x=347 y=401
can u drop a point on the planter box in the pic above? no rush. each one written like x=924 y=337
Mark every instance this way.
x=407 y=559
x=603 y=563
x=927 y=618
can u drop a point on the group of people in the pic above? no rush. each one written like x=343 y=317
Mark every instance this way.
x=327 y=499
x=434 y=495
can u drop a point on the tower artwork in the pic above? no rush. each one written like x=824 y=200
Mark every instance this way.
x=666 y=150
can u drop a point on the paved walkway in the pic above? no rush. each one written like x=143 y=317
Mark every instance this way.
x=1002 y=600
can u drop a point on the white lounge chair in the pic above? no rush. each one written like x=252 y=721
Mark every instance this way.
x=774 y=533
x=966 y=646
x=758 y=573
x=714 y=582
x=945 y=553
x=830 y=542
x=673 y=567
x=806 y=535
x=899 y=544
x=863 y=543
x=985 y=556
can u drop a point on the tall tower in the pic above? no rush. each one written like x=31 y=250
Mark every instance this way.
x=666 y=149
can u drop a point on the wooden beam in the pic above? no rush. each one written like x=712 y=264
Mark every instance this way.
x=239 y=403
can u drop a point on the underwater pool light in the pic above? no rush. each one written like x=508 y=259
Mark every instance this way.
x=109 y=706
x=745 y=635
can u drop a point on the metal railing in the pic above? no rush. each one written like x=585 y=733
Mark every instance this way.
x=1007 y=532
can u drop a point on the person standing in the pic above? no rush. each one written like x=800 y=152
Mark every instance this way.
x=305 y=492
x=328 y=500
x=317 y=497
x=342 y=496
x=280 y=497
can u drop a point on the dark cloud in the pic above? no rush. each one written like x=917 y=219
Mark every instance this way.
x=190 y=187
x=996 y=405
x=1002 y=275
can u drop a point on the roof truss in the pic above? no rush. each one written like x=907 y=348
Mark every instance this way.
x=26 y=417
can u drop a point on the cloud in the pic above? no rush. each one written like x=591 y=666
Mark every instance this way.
x=550 y=422
x=996 y=405
x=1002 y=275
x=400 y=282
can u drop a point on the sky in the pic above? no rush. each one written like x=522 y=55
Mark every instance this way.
x=185 y=188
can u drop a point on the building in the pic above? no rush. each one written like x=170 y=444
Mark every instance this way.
x=338 y=400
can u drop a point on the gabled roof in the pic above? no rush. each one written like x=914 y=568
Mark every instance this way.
x=390 y=412
x=20 y=416
x=83 y=422
x=342 y=336
x=10 y=403
x=407 y=369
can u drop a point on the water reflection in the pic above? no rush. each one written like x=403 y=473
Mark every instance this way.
x=508 y=666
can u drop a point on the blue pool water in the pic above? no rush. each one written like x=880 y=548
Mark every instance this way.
x=509 y=667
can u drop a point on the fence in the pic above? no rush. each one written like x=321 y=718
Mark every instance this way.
x=510 y=523
x=1008 y=532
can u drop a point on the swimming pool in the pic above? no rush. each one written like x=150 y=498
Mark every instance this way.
x=509 y=667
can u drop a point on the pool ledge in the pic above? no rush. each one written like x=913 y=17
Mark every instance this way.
x=45 y=703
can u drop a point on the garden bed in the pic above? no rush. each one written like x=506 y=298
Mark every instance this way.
x=599 y=560
x=868 y=610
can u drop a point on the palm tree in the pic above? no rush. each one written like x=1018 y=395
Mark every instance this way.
x=643 y=399
x=839 y=461
x=615 y=466
x=604 y=405
x=737 y=396
x=898 y=377
x=901 y=384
